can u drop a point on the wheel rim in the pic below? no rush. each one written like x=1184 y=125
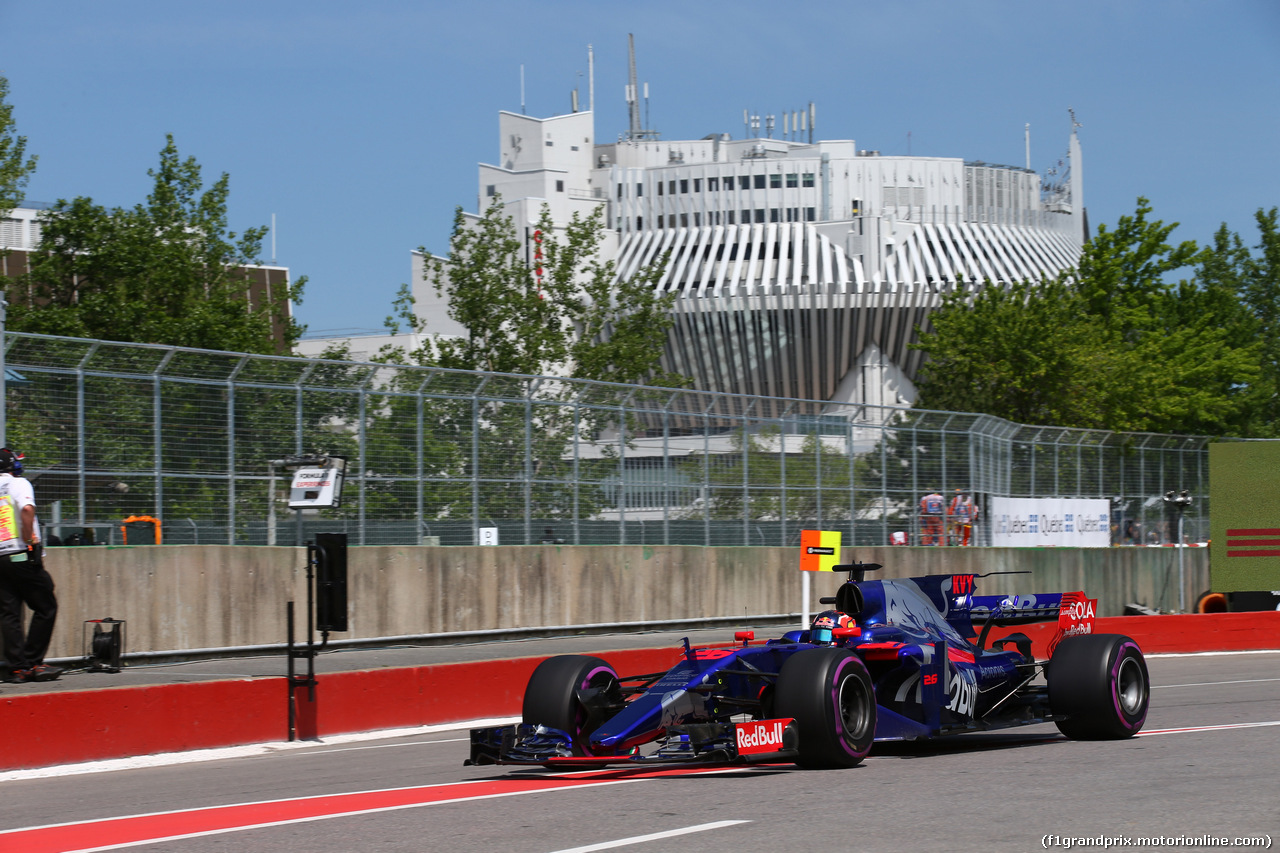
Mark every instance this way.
x=601 y=680
x=855 y=710
x=1130 y=686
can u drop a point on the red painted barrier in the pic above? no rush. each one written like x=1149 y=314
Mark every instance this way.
x=117 y=722
x=1191 y=632
x=86 y=725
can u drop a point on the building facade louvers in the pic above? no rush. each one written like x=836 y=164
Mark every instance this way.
x=801 y=269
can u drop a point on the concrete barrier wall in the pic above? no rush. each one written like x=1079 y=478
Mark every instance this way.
x=215 y=596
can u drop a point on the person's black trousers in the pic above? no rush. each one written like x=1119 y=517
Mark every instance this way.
x=26 y=583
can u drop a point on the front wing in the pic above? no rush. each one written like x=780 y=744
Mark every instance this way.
x=696 y=743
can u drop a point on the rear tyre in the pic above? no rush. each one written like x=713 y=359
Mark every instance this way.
x=829 y=694
x=557 y=687
x=1098 y=685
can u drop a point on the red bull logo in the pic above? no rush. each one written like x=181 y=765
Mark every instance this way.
x=760 y=736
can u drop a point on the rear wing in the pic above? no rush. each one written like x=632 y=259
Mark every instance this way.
x=1073 y=611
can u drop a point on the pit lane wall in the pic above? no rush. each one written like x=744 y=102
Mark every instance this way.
x=188 y=597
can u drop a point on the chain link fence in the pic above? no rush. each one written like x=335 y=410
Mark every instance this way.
x=115 y=431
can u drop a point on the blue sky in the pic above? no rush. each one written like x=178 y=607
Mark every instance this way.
x=359 y=126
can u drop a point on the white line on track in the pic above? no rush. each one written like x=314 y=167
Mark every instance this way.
x=1214 y=654
x=1214 y=683
x=247 y=751
x=387 y=746
x=342 y=813
x=1190 y=729
x=656 y=836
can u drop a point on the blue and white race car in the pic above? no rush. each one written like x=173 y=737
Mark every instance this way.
x=900 y=659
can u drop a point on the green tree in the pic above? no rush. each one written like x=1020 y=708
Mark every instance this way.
x=1230 y=269
x=1117 y=345
x=15 y=166
x=167 y=271
x=536 y=304
x=535 y=316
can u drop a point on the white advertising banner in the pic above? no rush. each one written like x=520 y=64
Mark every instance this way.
x=1050 y=522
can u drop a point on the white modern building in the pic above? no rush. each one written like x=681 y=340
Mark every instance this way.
x=801 y=267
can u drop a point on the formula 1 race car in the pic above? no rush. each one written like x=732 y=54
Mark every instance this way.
x=897 y=659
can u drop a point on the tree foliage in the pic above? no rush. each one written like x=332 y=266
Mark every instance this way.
x=15 y=166
x=562 y=312
x=1117 y=345
x=541 y=303
x=167 y=271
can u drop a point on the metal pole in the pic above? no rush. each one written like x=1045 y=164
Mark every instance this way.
x=271 y=505
x=1182 y=578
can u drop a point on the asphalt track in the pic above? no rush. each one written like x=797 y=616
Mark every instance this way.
x=1205 y=765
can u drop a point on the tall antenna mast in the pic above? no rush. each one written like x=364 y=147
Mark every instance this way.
x=522 y=88
x=1027 y=130
x=591 y=80
x=633 y=91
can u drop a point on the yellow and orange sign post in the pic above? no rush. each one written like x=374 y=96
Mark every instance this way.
x=819 y=552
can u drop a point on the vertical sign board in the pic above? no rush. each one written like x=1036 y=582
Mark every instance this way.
x=819 y=552
x=1244 y=524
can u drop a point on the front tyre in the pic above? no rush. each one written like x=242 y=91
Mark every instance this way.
x=567 y=692
x=829 y=694
x=1098 y=687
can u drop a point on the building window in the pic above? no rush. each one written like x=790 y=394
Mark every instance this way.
x=684 y=185
x=775 y=214
x=808 y=179
x=697 y=185
x=729 y=217
x=684 y=220
x=713 y=184
x=810 y=214
x=793 y=180
x=490 y=190
x=775 y=181
x=619 y=190
x=559 y=186
x=550 y=143
x=746 y=217
x=639 y=190
x=759 y=182
x=697 y=219
x=639 y=222
x=660 y=188
x=744 y=182
x=573 y=148
x=671 y=187
x=759 y=214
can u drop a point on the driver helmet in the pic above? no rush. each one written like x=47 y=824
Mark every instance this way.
x=825 y=623
x=11 y=462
